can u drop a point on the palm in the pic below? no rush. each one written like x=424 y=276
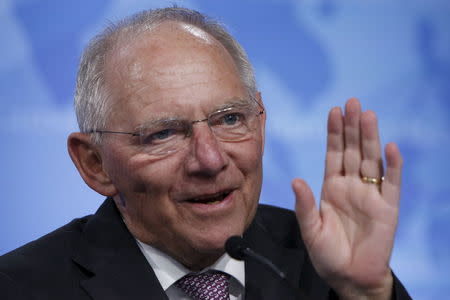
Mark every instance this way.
x=350 y=237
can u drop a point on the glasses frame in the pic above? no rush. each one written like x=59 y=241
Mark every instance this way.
x=101 y=131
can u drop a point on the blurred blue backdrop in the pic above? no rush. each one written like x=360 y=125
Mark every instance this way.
x=308 y=56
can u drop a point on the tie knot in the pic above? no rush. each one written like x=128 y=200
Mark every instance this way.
x=205 y=286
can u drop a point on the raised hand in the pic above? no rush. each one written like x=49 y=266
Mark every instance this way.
x=350 y=237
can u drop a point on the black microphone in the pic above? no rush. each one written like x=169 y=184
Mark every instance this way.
x=239 y=249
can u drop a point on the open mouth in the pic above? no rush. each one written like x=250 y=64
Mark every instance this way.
x=210 y=199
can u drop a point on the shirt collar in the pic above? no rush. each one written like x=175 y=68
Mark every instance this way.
x=168 y=270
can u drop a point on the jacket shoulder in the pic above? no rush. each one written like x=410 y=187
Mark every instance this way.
x=46 y=257
x=56 y=240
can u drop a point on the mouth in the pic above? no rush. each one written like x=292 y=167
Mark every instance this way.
x=210 y=199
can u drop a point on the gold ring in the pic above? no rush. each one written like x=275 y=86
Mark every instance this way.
x=373 y=180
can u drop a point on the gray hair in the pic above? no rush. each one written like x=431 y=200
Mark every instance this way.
x=91 y=94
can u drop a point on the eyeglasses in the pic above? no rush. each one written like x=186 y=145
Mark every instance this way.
x=231 y=124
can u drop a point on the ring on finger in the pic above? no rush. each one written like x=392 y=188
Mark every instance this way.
x=373 y=180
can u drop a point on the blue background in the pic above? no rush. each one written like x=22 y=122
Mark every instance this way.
x=308 y=56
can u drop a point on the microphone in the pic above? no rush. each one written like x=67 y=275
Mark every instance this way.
x=239 y=249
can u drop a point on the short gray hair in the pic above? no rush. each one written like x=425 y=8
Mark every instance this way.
x=91 y=95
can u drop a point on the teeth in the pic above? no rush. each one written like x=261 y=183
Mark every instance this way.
x=212 y=200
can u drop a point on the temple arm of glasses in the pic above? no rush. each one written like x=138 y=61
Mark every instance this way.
x=115 y=132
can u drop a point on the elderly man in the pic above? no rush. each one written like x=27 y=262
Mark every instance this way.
x=172 y=133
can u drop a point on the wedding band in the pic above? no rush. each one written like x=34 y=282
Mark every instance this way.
x=373 y=180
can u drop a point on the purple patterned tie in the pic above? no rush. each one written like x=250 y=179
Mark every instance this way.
x=205 y=286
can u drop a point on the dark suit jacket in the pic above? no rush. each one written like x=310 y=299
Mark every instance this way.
x=96 y=257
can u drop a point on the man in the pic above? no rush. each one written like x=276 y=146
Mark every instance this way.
x=172 y=133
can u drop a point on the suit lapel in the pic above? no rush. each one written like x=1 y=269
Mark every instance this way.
x=260 y=283
x=110 y=256
x=115 y=267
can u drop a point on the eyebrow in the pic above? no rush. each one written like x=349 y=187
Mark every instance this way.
x=234 y=103
x=156 y=122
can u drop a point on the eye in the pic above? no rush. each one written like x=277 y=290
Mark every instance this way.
x=163 y=134
x=231 y=119
x=160 y=136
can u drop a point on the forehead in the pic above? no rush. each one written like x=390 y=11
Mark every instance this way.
x=174 y=66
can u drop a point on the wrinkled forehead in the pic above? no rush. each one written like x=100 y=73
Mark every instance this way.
x=169 y=62
x=168 y=35
x=154 y=51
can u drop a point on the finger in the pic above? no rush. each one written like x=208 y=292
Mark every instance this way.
x=305 y=207
x=352 y=151
x=392 y=181
x=371 y=164
x=335 y=143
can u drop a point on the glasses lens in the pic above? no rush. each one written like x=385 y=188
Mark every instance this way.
x=164 y=137
x=233 y=124
x=168 y=136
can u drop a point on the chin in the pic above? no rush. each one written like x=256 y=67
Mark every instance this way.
x=213 y=241
x=205 y=253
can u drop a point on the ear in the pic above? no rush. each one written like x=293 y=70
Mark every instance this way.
x=262 y=119
x=88 y=161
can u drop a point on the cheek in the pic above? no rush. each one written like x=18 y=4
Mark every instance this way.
x=247 y=156
x=137 y=178
x=146 y=187
x=159 y=174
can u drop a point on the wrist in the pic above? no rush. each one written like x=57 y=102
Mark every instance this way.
x=382 y=292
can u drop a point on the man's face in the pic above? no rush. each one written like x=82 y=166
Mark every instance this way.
x=189 y=202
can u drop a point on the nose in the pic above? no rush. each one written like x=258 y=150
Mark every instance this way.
x=207 y=157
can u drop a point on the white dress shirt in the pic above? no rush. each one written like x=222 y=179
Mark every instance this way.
x=168 y=271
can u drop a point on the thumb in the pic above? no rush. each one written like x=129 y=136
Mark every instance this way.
x=308 y=216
